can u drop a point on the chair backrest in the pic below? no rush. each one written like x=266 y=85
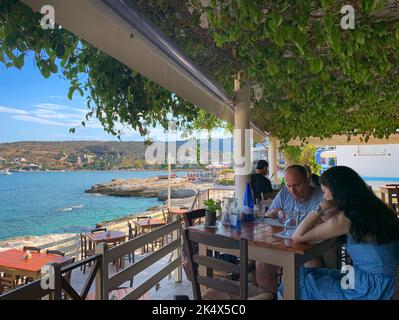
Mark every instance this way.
x=191 y=237
x=166 y=215
x=34 y=249
x=189 y=217
x=98 y=230
x=58 y=253
x=83 y=245
x=143 y=217
x=131 y=230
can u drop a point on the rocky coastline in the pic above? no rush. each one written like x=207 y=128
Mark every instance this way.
x=149 y=187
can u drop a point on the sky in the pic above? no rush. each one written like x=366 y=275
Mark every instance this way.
x=33 y=108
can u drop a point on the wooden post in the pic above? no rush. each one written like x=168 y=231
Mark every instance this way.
x=169 y=182
x=242 y=144
x=102 y=273
x=272 y=153
x=55 y=279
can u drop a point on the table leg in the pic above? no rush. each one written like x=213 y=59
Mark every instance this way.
x=291 y=277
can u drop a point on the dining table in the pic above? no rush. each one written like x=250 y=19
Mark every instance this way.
x=143 y=225
x=265 y=244
x=111 y=238
x=14 y=262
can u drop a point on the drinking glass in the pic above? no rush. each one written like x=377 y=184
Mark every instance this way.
x=287 y=223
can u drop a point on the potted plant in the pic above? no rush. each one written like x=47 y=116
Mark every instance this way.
x=211 y=206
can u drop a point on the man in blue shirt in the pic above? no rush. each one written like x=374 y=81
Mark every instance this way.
x=297 y=195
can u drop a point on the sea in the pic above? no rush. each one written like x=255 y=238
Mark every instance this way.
x=41 y=203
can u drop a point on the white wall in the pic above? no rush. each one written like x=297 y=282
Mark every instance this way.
x=371 y=160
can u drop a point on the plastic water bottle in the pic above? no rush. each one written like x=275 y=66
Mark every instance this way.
x=248 y=208
x=235 y=215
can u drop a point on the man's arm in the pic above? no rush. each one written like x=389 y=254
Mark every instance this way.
x=276 y=205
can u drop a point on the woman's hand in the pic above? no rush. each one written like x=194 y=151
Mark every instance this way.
x=330 y=209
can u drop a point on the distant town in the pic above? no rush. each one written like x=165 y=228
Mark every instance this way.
x=49 y=156
x=82 y=155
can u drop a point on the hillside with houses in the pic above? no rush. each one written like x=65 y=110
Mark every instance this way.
x=33 y=156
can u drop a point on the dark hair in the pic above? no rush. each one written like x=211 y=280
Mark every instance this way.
x=298 y=168
x=370 y=218
x=262 y=164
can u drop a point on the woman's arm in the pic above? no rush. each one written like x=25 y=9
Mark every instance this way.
x=308 y=231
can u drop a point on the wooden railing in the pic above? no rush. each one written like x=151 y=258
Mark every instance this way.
x=66 y=286
x=106 y=284
x=214 y=193
x=100 y=270
x=68 y=245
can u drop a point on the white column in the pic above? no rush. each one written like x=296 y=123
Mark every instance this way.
x=273 y=171
x=242 y=122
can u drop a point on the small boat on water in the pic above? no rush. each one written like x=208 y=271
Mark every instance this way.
x=6 y=173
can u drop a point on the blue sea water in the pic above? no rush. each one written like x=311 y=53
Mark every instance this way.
x=40 y=203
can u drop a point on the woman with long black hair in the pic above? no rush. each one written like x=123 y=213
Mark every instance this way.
x=372 y=233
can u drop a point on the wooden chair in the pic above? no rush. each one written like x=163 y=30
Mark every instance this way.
x=8 y=281
x=131 y=235
x=190 y=219
x=34 y=249
x=56 y=252
x=98 y=230
x=85 y=251
x=68 y=275
x=166 y=215
x=220 y=288
x=145 y=248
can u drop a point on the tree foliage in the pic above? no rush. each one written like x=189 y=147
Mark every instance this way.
x=114 y=93
x=318 y=79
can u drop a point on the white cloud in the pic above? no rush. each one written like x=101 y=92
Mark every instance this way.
x=56 y=97
x=12 y=110
x=50 y=114
x=50 y=106
x=81 y=110
x=28 y=118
